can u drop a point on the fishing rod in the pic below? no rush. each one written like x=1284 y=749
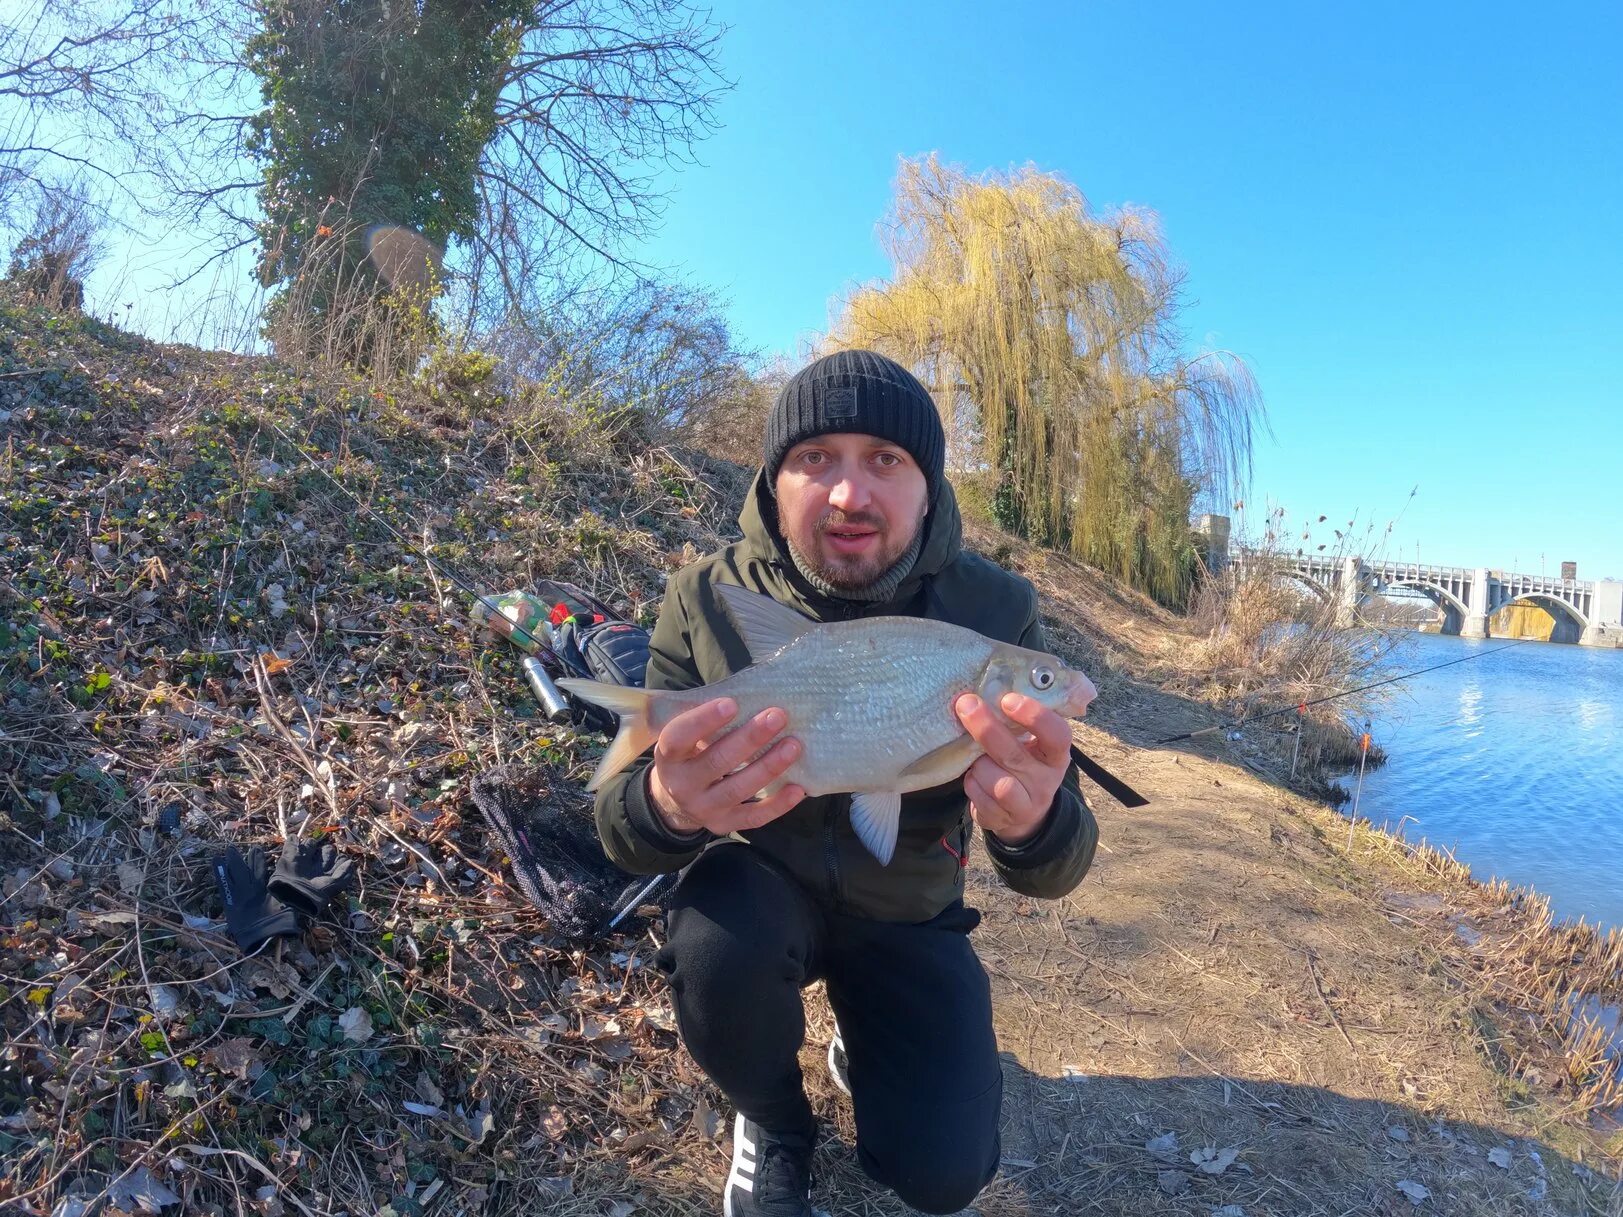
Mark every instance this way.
x=1319 y=701
x=1109 y=782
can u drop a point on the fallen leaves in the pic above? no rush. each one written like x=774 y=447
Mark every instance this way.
x=1417 y=1193
x=1214 y=1161
x=356 y=1025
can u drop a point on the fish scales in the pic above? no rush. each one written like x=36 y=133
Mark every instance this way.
x=865 y=698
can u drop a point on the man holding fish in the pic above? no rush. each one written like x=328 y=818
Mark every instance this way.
x=832 y=703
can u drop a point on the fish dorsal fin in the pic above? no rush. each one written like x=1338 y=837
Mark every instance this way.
x=877 y=817
x=766 y=625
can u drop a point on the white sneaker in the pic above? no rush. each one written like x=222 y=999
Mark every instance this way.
x=771 y=1173
x=839 y=1068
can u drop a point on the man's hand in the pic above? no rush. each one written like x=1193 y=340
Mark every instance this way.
x=692 y=780
x=1012 y=787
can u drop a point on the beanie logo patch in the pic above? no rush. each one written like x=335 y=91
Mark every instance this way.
x=839 y=402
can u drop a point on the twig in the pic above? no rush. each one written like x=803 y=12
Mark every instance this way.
x=1313 y=971
x=212 y=1151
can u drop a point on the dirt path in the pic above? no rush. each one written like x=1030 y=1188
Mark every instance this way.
x=1226 y=976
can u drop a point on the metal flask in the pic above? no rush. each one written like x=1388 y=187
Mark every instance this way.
x=550 y=696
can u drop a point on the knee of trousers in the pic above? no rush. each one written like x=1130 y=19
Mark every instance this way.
x=938 y=1159
x=735 y=929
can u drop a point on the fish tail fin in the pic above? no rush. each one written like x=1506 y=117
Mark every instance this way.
x=637 y=730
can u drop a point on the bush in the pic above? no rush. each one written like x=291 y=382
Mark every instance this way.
x=61 y=247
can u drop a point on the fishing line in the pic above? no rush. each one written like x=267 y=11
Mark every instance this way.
x=1319 y=701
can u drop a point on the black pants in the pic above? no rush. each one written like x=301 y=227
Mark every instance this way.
x=913 y=1004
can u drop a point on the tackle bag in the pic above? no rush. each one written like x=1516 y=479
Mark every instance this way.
x=590 y=641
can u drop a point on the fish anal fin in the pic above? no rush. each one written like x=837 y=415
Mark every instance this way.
x=946 y=762
x=766 y=626
x=877 y=817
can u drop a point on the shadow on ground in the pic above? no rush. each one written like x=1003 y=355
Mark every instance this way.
x=1079 y=1145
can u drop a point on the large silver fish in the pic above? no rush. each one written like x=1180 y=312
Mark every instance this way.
x=869 y=700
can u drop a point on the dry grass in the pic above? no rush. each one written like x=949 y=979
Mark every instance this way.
x=1228 y=972
x=194 y=617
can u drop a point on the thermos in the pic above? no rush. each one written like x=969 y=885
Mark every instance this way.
x=550 y=696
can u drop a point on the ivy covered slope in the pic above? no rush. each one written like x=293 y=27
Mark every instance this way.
x=193 y=617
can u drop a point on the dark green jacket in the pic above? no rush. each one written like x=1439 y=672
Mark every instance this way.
x=695 y=643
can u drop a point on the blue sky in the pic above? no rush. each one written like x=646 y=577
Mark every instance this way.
x=1406 y=218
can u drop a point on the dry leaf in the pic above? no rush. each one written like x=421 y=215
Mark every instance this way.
x=356 y=1025
x=1500 y=1157
x=1164 y=1147
x=274 y=663
x=1215 y=1161
x=1413 y=1190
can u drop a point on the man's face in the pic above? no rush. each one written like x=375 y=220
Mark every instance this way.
x=851 y=506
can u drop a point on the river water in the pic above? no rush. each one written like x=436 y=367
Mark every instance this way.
x=1514 y=761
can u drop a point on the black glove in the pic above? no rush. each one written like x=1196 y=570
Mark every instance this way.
x=311 y=874
x=252 y=914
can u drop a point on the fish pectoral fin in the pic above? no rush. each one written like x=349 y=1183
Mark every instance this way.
x=877 y=817
x=765 y=625
x=947 y=761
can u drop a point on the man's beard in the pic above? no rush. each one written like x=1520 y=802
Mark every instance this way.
x=855 y=572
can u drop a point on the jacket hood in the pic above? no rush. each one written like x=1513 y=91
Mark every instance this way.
x=943 y=541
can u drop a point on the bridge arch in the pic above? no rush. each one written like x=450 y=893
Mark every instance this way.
x=1544 y=600
x=1302 y=579
x=1439 y=596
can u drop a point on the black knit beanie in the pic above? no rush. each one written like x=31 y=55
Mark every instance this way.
x=861 y=392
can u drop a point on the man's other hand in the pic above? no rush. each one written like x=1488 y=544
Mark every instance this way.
x=1012 y=786
x=693 y=780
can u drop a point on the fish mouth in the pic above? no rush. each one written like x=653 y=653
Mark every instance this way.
x=1079 y=695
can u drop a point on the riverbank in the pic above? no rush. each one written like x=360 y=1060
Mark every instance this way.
x=193 y=619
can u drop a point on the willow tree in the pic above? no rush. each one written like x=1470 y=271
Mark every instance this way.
x=1049 y=337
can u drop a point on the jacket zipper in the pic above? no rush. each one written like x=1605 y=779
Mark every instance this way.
x=831 y=849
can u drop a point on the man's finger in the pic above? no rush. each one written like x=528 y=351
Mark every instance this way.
x=989 y=731
x=1007 y=792
x=753 y=777
x=680 y=738
x=722 y=756
x=753 y=815
x=1050 y=731
x=981 y=804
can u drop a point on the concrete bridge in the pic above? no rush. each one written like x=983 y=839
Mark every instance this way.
x=1466 y=597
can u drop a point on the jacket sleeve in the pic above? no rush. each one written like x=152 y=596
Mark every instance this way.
x=633 y=836
x=1052 y=863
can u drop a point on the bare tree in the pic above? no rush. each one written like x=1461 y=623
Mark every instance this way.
x=77 y=80
x=595 y=99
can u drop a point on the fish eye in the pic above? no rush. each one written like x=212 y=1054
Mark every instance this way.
x=1042 y=678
